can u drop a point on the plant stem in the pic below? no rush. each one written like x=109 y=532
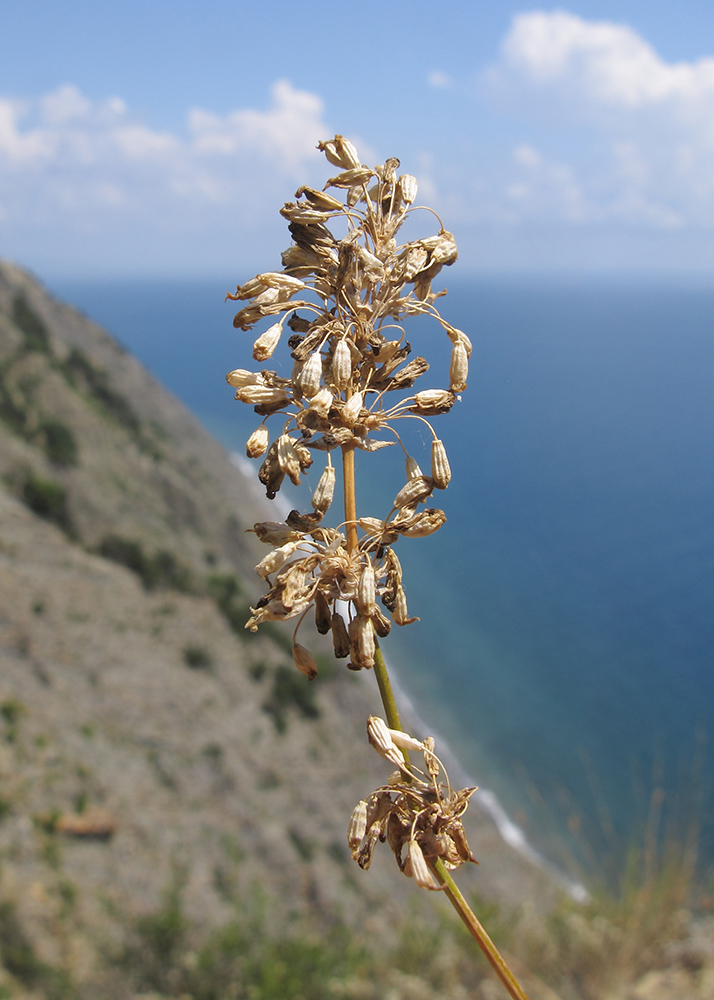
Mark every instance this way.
x=385 y=689
x=478 y=931
x=391 y=712
x=348 y=479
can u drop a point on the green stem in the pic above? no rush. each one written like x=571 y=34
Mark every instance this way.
x=385 y=689
x=478 y=931
x=393 y=721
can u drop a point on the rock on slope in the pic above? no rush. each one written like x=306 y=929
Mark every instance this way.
x=145 y=739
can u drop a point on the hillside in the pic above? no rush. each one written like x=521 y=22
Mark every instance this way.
x=151 y=751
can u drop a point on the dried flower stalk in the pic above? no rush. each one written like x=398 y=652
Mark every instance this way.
x=344 y=300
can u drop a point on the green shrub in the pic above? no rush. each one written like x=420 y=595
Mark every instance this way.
x=36 y=334
x=290 y=690
x=227 y=592
x=81 y=371
x=48 y=500
x=59 y=442
x=197 y=658
x=160 y=571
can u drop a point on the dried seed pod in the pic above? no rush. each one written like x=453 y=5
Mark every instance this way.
x=366 y=591
x=440 y=469
x=340 y=152
x=319 y=199
x=412 y=468
x=340 y=636
x=275 y=559
x=275 y=532
x=408 y=188
x=382 y=625
x=267 y=342
x=459 y=369
x=362 y=646
x=304 y=661
x=404 y=741
x=258 y=395
x=323 y=615
x=458 y=336
x=415 y=491
x=419 y=868
x=325 y=490
x=321 y=402
x=421 y=524
x=378 y=735
x=357 y=827
x=341 y=365
x=309 y=379
x=240 y=378
x=288 y=459
x=399 y=611
x=352 y=409
x=432 y=402
x=257 y=443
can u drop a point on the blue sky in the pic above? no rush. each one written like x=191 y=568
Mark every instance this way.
x=161 y=139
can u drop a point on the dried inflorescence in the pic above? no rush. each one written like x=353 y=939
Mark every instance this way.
x=343 y=301
x=415 y=809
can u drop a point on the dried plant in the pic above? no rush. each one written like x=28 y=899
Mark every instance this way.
x=344 y=300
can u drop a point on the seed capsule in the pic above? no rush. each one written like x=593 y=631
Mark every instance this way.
x=366 y=591
x=267 y=342
x=340 y=637
x=304 y=661
x=408 y=188
x=415 y=491
x=257 y=443
x=323 y=616
x=399 y=611
x=288 y=459
x=432 y=402
x=379 y=736
x=341 y=365
x=440 y=469
x=325 y=490
x=412 y=468
x=322 y=401
x=309 y=378
x=382 y=625
x=358 y=826
x=259 y=395
x=419 y=868
x=459 y=369
x=352 y=409
x=240 y=378
x=361 y=636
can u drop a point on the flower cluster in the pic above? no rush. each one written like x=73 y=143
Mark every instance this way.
x=414 y=809
x=343 y=301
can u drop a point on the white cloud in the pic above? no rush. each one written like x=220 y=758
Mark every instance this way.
x=625 y=136
x=439 y=80
x=604 y=62
x=72 y=165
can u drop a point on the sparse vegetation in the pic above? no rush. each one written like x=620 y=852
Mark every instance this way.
x=227 y=592
x=160 y=571
x=59 y=442
x=197 y=657
x=48 y=499
x=34 y=329
x=83 y=373
x=289 y=691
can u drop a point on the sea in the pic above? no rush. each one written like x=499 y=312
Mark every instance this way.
x=565 y=648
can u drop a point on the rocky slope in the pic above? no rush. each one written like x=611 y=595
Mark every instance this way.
x=148 y=745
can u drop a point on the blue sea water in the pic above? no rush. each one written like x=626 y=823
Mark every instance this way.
x=566 y=642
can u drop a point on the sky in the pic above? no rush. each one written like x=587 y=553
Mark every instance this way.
x=155 y=139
